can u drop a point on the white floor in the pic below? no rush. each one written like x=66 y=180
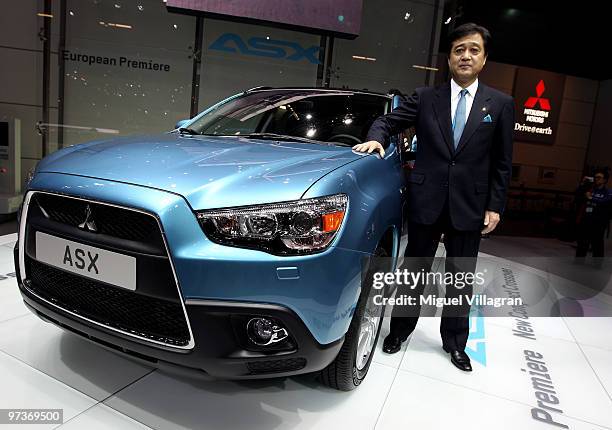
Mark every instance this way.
x=43 y=367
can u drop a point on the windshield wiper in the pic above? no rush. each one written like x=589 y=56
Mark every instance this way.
x=275 y=136
x=187 y=130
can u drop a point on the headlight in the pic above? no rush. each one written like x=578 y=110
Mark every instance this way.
x=297 y=227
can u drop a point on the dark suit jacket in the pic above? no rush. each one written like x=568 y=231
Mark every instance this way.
x=475 y=176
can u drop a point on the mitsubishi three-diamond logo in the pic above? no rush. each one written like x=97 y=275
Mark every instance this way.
x=532 y=101
x=89 y=224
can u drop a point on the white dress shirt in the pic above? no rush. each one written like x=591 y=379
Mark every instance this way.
x=469 y=98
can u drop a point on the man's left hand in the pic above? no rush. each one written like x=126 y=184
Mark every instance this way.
x=491 y=220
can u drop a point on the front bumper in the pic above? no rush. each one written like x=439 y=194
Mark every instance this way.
x=321 y=289
x=219 y=350
x=313 y=296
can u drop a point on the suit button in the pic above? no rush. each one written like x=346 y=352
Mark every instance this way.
x=452 y=163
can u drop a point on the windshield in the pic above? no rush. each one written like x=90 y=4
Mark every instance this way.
x=338 y=117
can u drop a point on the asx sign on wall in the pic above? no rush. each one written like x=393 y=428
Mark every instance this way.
x=537 y=97
x=265 y=47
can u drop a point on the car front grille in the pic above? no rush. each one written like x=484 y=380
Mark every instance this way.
x=148 y=317
x=109 y=220
x=153 y=312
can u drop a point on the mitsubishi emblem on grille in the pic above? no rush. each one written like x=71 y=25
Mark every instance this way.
x=89 y=223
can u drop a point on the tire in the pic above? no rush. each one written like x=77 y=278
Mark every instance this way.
x=344 y=373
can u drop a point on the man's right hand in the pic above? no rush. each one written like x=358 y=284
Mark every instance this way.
x=370 y=147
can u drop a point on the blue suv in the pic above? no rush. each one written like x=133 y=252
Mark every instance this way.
x=238 y=244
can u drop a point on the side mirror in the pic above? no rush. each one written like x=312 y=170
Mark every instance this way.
x=181 y=123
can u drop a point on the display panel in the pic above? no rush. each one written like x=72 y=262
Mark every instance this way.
x=339 y=16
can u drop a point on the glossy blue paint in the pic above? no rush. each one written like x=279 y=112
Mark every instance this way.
x=173 y=175
x=374 y=187
x=324 y=296
x=182 y=122
x=211 y=172
x=288 y=273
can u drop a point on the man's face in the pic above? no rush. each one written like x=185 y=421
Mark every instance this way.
x=600 y=179
x=467 y=58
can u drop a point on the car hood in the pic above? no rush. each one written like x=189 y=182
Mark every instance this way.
x=210 y=172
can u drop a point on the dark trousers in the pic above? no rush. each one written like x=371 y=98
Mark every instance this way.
x=591 y=232
x=461 y=252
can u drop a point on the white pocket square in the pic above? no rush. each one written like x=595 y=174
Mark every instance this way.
x=487 y=118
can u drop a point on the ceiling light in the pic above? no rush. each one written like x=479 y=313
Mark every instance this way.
x=512 y=12
x=425 y=67
x=360 y=57
x=112 y=24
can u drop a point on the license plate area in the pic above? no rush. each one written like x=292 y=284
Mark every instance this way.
x=95 y=263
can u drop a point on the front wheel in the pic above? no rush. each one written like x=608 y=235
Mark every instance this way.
x=351 y=364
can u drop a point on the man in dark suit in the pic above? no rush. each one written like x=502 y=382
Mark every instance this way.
x=460 y=177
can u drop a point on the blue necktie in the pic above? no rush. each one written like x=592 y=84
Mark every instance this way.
x=459 y=121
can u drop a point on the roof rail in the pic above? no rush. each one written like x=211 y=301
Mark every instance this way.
x=364 y=91
x=263 y=87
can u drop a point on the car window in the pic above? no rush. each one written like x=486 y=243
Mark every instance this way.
x=338 y=117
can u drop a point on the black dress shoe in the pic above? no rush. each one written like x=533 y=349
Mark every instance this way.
x=392 y=344
x=460 y=359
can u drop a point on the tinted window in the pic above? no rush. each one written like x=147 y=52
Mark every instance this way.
x=342 y=118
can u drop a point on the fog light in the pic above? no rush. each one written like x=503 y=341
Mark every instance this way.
x=263 y=331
